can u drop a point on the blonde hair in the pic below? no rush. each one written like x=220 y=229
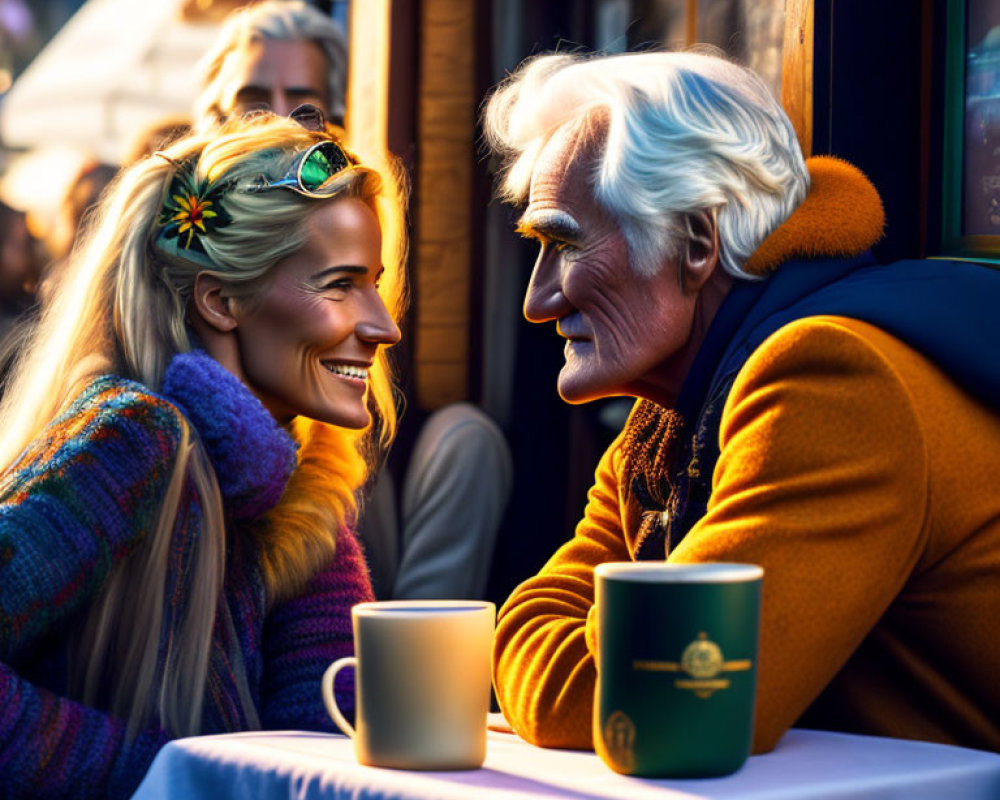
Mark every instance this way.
x=120 y=307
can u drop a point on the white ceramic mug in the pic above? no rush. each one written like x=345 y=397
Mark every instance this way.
x=422 y=683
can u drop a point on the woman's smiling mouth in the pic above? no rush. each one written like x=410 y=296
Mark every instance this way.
x=352 y=371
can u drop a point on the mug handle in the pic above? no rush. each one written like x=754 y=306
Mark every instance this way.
x=329 y=699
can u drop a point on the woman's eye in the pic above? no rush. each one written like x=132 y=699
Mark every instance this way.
x=336 y=289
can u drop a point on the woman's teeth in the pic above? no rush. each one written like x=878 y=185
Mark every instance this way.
x=348 y=370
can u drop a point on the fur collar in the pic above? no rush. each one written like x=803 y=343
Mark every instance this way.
x=841 y=216
x=298 y=535
x=295 y=488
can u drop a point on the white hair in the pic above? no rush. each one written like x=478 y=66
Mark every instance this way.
x=682 y=132
x=283 y=20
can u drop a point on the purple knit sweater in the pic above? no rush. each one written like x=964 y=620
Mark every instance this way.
x=78 y=500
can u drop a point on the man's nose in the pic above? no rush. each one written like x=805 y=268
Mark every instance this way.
x=281 y=104
x=544 y=299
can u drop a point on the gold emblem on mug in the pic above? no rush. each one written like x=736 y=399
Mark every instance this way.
x=619 y=741
x=703 y=661
x=702 y=658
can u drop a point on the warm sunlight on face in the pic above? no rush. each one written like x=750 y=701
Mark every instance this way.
x=306 y=345
x=623 y=331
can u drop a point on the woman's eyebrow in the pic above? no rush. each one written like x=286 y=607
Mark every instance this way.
x=349 y=268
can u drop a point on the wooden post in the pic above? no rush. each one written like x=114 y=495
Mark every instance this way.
x=797 y=70
x=691 y=22
x=446 y=108
x=368 y=72
x=440 y=236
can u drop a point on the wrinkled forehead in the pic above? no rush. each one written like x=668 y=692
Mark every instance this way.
x=567 y=165
x=562 y=202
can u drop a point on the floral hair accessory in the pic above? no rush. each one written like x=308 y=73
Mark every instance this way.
x=192 y=209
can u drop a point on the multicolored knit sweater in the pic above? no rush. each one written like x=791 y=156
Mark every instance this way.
x=80 y=499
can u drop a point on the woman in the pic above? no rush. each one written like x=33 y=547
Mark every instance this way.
x=180 y=448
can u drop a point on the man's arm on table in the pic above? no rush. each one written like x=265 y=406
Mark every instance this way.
x=821 y=480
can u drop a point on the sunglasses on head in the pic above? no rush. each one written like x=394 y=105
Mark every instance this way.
x=314 y=167
x=311 y=171
x=194 y=206
x=309 y=116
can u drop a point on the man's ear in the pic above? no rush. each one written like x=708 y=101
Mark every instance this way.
x=701 y=253
x=213 y=304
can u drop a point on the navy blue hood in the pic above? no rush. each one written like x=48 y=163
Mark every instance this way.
x=947 y=310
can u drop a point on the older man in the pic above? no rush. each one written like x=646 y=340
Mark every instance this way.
x=799 y=406
x=277 y=55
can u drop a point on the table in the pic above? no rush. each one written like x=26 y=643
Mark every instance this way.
x=806 y=764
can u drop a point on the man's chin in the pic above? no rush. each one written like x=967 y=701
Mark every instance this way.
x=577 y=390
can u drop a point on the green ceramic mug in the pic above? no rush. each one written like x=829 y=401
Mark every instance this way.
x=676 y=667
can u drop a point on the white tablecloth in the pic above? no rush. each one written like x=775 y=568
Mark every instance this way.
x=806 y=764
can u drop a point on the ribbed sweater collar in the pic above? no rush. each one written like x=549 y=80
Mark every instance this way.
x=253 y=456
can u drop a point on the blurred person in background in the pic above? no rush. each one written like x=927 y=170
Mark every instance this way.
x=19 y=39
x=430 y=519
x=180 y=448
x=157 y=135
x=35 y=249
x=62 y=232
x=275 y=55
x=19 y=267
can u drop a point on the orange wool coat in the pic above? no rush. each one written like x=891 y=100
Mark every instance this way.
x=863 y=480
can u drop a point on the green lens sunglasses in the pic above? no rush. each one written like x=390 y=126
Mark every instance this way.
x=311 y=171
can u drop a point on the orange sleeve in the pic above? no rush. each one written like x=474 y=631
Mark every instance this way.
x=822 y=480
x=543 y=668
